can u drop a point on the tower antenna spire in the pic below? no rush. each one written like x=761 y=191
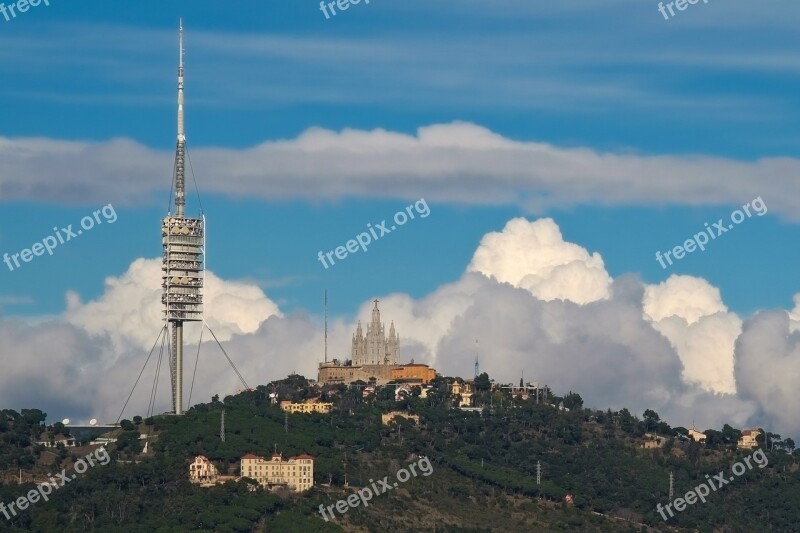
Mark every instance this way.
x=180 y=153
x=180 y=41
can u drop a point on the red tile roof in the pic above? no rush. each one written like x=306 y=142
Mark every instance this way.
x=302 y=456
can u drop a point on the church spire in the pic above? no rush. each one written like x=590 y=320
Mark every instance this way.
x=393 y=346
x=375 y=347
x=376 y=313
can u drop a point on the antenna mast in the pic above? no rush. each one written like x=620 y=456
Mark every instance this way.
x=477 y=367
x=180 y=156
x=326 y=325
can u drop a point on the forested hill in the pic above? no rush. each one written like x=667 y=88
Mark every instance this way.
x=594 y=473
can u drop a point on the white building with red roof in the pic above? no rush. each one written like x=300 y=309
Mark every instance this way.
x=296 y=473
x=748 y=439
x=203 y=471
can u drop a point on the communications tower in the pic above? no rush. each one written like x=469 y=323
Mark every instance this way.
x=183 y=240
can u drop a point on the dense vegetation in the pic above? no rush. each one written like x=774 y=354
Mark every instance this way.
x=484 y=468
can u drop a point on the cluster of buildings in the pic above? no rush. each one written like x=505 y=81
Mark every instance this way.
x=747 y=440
x=375 y=361
x=295 y=473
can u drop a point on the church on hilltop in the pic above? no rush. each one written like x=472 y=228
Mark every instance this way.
x=375 y=348
x=373 y=356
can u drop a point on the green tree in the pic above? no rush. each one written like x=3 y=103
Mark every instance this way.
x=730 y=434
x=573 y=400
x=59 y=428
x=482 y=382
x=651 y=419
x=714 y=438
x=626 y=421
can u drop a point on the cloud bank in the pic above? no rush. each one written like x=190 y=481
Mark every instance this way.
x=535 y=303
x=457 y=162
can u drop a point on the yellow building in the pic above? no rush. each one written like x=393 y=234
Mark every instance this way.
x=335 y=373
x=311 y=406
x=465 y=390
x=748 y=438
x=203 y=471
x=697 y=436
x=388 y=417
x=414 y=371
x=297 y=473
x=652 y=440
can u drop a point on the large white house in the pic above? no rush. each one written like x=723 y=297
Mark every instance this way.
x=296 y=473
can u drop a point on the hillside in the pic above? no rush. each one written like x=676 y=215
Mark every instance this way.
x=482 y=478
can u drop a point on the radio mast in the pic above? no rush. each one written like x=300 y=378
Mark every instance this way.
x=477 y=366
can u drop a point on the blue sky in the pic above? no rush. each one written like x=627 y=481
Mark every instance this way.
x=716 y=80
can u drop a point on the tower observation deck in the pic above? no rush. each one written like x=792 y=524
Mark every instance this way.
x=183 y=241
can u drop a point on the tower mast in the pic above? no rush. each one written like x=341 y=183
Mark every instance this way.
x=180 y=153
x=184 y=256
x=477 y=366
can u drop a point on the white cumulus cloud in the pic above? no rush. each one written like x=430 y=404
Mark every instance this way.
x=534 y=256
x=689 y=311
x=672 y=347
x=130 y=312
